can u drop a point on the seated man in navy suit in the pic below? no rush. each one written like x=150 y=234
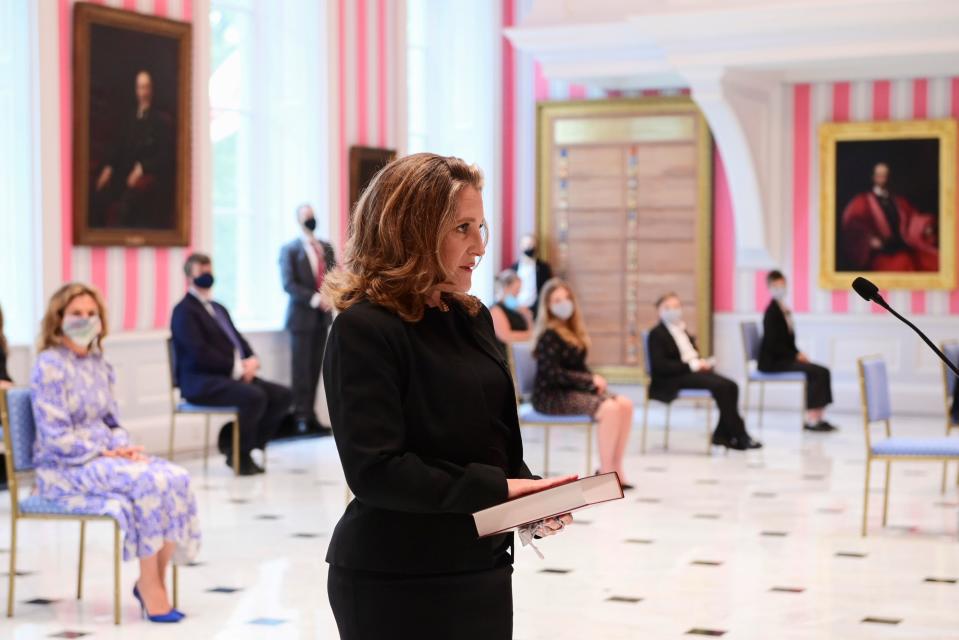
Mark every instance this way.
x=216 y=366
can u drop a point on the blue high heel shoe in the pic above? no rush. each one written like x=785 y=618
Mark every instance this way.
x=170 y=616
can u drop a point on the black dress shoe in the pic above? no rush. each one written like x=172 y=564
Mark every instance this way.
x=819 y=427
x=247 y=466
x=730 y=442
x=753 y=444
x=828 y=426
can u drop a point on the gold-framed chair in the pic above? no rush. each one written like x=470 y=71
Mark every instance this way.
x=19 y=433
x=696 y=396
x=877 y=408
x=179 y=406
x=752 y=339
x=523 y=368
x=950 y=349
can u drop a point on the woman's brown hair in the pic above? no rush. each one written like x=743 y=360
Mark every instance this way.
x=392 y=256
x=51 y=333
x=573 y=330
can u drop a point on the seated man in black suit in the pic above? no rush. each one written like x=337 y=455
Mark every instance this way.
x=778 y=353
x=216 y=366
x=676 y=364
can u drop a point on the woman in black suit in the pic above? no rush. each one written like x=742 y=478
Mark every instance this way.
x=778 y=352
x=423 y=413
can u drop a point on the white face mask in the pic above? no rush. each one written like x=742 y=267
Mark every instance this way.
x=81 y=330
x=562 y=309
x=778 y=293
x=671 y=316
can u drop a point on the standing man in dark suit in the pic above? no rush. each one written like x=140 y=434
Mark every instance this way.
x=304 y=263
x=533 y=273
x=778 y=353
x=215 y=366
x=676 y=364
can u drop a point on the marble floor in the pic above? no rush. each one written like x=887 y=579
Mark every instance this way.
x=747 y=546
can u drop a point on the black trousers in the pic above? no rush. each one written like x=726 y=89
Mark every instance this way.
x=307 y=359
x=818 y=382
x=726 y=394
x=262 y=406
x=466 y=606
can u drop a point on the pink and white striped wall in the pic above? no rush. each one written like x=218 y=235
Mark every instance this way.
x=140 y=284
x=808 y=106
x=367 y=106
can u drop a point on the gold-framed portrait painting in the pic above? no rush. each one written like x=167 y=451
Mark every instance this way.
x=131 y=134
x=888 y=204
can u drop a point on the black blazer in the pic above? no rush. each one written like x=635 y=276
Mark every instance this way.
x=408 y=428
x=778 y=346
x=299 y=281
x=667 y=364
x=543 y=273
x=203 y=352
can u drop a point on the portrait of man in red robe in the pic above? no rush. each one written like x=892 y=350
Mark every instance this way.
x=880 y=230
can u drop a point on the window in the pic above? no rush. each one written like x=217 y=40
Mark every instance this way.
x=453 y=102
x=267 y=133
x=19 y=205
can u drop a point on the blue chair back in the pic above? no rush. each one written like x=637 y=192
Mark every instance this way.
x=19 y=429
x=875 y=389
x=951 y=351
x=524 y=365
x=751 y=340
x=646 y=360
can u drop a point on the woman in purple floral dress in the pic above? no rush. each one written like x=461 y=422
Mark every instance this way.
x=84 y=459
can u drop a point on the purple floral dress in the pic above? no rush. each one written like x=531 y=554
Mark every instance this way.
x=75 y=413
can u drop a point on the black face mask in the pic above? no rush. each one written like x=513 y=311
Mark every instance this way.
x=529 y=253
x=203 y=281
x=310 y=223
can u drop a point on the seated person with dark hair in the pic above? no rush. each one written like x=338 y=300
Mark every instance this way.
x=778 y=353
x=215 y=366
x=676 y=364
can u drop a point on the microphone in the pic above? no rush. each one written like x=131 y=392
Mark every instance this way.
x=870 y=293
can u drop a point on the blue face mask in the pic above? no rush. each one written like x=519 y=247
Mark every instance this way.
x=511 y=303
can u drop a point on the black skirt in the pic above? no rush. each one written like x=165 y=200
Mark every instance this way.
x=370 y=605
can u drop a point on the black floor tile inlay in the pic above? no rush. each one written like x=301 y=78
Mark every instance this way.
x=774 y=534
x=625 y=599
x=787 y=589
x=649 y=500
x=850 y=554
x=638 y=541
x=942 y=580
x=706 y=563
x=268 y=516
x=706 y=516
x=715 y=633
x=877 y=620
x=70 y=634
x=223 y=590
x=764 y=494
x=556 y=571
x=40 y=601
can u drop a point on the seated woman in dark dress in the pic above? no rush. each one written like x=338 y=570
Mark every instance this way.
x=565 y=385
x=512 y=322
x=778 y=352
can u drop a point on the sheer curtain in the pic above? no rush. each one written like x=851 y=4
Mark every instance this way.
x=20 y=290
x=453 y=97
x=268 y=111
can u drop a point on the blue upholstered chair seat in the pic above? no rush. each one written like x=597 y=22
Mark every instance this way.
x=41 y=506
x=528 y=414
x=780 y=376
x=934 y=447
x=189 y=407
x=694 y=394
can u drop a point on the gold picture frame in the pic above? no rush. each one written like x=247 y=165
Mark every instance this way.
x=856 y=237
x=548 y=113
x=111 y=206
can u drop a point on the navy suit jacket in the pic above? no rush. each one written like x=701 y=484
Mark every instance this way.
x=203 y=353
x=299 y=281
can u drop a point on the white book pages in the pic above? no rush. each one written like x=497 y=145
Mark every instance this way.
x=552 y=502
